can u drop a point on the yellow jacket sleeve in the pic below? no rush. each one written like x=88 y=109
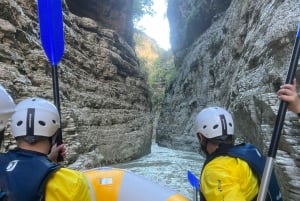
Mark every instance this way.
x=67 y=185
x=228 y=179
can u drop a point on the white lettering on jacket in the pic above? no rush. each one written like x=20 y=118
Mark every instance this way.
x=11 y=166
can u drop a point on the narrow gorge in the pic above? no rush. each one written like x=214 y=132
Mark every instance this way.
x=231 y=53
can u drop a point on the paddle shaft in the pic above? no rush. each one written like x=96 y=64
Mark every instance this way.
x=195 y=184
x=279 y=123
x=55 y=85
x=195 y=197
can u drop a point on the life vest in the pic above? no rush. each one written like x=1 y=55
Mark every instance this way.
x=255 y=159
x=24 y=175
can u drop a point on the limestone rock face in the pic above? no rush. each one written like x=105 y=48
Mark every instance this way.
x=105 y=103
x=238 y=61
x=191 y=19
x=112 y=14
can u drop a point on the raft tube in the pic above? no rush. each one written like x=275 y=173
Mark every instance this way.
x=113 y=184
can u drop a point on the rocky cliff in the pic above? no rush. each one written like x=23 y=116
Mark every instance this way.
x=237 y=56
x=112 y=14
x=105 y=103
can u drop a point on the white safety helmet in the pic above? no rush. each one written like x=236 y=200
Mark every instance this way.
x=214 y=122
x=7 y=107
x=35 y=117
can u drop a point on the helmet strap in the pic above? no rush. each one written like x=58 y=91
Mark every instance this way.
x=203 y=146
x=30 y=139
x=50 y=139
x=224 y=125
x=30 y=122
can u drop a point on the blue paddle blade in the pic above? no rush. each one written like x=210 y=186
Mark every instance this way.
x=51 y=29
x=298 y=33
x=194 y=181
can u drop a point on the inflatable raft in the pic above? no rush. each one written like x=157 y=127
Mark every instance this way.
x=113 y=184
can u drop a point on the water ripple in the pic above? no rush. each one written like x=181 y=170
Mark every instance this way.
x=168 y=167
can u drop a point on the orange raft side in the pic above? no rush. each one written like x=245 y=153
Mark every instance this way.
x=113 y=184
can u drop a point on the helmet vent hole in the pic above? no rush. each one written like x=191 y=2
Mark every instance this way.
x=19 y=123
x=215 y=126
x=204 y=127
x=53 y=121
x=230 y=124
x=42 y=123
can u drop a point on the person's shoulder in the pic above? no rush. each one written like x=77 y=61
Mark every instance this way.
x=68 y=184
x=68 y=176
x=222 y=161
x=66 y=172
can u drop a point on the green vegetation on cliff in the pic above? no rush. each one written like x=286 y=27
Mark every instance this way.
x=141 y=8
x=157 y=64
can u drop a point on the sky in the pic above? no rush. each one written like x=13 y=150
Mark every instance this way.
x=157 y=26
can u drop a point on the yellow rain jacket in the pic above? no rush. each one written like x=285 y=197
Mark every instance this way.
x=67 y=185
x=228 y=179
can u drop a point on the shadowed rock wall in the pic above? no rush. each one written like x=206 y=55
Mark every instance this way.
x=112 y=14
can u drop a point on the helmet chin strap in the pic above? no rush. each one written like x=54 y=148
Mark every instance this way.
x=203 y=146
x=50 y=143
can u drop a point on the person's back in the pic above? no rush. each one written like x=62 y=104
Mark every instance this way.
x=26 y=172
x=228 y=178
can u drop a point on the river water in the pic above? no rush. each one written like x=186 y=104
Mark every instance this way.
x=167 y=167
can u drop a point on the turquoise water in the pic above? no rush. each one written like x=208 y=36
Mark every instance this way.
x=167 y=167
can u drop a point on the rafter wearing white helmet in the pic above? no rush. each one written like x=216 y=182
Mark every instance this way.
x=214 y=122
x=35 y=118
